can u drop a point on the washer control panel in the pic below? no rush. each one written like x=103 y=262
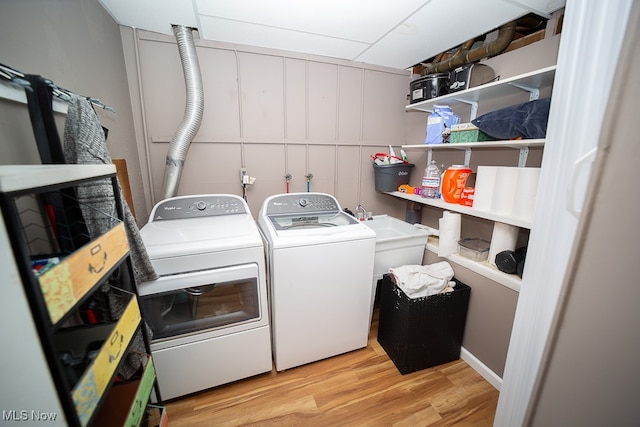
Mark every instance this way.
x=207 y=205
x=294 y=203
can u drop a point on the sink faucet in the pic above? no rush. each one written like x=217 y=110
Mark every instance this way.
x=363 y=211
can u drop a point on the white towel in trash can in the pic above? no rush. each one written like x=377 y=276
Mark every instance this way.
x=423 y=280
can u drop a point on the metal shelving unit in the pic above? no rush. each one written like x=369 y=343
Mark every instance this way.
x=63 y=274
x=531 y=82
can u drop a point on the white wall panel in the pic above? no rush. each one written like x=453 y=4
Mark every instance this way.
x=163 y=89
x=266 y=163
x=221 y=118
x=348 y=176
x=322 y=102
x=212 y=168
x=322 y=164
x=297 y=167
x=262 y=96
x=157 y=161
x=296 y=99
x=383 y=107
x=350 y=104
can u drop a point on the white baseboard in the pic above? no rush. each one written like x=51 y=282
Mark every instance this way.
x=481 y=368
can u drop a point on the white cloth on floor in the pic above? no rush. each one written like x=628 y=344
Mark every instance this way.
x=423 y=280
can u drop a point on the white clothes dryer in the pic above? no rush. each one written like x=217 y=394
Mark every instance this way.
x=208 y=311
x=320 y=263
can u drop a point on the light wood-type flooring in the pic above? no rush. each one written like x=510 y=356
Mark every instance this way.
x=360 y=388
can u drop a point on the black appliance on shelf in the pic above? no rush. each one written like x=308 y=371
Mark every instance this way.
x=429 y=86
x=470 y=75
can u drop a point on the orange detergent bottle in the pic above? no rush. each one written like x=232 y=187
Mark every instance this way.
x=453 y=181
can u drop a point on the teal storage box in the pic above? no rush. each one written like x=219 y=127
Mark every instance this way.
x=467 y=132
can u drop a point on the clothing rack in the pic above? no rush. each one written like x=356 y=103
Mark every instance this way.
x=18 y=78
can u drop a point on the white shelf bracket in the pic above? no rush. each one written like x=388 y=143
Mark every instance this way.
x=522 y=160
x=474 y=107
x=429 y=156
x=534 y=92
x=467 y=156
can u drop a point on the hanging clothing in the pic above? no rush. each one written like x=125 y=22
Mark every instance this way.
x=84 y=143
x=71 y=233
x=40 y=102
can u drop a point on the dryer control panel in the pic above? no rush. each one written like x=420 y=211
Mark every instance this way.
x=293 y=203
x=199 y=206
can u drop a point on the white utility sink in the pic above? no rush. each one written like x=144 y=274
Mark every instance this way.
x=397 y=243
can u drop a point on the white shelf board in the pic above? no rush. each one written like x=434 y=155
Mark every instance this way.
x=516 y=143
x=24 y=177
x=439 y=203
x=535 y=79
x=511 y=281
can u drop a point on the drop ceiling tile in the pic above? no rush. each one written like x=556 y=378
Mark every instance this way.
x=358 y=20
x=541 y=7
x=437 y=27
x=152 y=15
x=277 y=38
x=394 y=33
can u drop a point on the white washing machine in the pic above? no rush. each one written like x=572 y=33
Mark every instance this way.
x=208 y=311
x=320 y=263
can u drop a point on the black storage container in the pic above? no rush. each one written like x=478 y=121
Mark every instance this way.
x=422 y=332
x=429 y=86
x=470 y=75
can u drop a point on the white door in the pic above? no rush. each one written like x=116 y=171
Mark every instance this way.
x=592 y=35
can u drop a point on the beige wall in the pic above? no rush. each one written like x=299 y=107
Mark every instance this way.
x=278 y=113
x=77 y=45
x=273 y=113
x=269 y=111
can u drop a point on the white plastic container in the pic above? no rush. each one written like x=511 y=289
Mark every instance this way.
x=475 y=249
x=397 y=243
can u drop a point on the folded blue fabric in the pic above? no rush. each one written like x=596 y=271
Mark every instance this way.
x=527 y=120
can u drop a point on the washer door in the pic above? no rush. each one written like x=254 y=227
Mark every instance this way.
x=184 y=304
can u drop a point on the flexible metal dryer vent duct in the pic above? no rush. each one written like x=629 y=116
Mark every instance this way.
x=193 y=111
x=464 y=56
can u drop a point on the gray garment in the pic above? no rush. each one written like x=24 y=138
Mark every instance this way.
x=84 y=143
